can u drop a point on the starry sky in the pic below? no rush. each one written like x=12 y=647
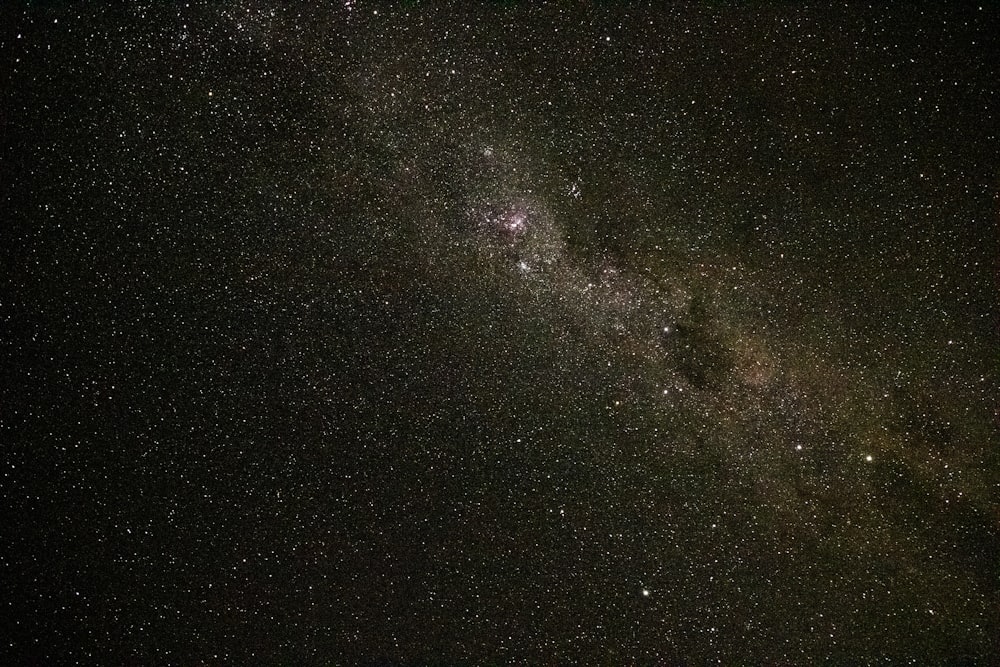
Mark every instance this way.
x=497 y=332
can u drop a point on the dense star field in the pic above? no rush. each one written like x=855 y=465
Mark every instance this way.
x=489 y=333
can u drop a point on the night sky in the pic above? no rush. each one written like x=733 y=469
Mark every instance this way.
x=488 y=333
